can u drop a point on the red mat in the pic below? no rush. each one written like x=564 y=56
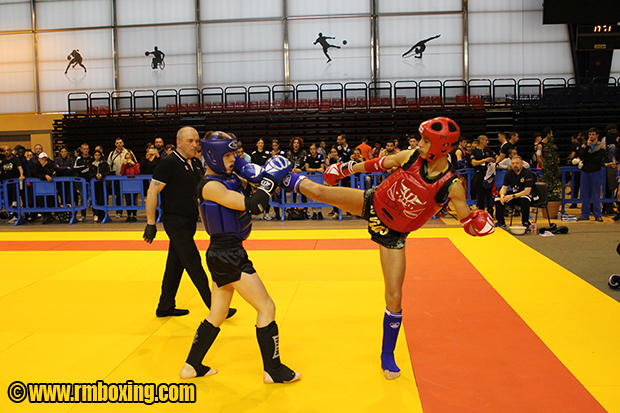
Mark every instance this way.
x=470 y=350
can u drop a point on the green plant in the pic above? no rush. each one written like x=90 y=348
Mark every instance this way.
x=551 y=169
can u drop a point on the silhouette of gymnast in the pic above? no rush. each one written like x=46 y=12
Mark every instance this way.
x=75 y=59
x=323 y=41
x=419 y=47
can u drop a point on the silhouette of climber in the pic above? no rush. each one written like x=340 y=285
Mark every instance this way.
x=158 y=58
x=75 y=59
x=419 y=47
x=323 y=41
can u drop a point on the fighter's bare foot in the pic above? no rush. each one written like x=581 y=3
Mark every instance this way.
x=267 y=378
x=189 y=372
x=391 y=375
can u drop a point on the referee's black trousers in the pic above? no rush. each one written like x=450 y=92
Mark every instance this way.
x=182 y=255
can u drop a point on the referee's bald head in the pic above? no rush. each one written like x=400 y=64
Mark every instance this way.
x=186 y=132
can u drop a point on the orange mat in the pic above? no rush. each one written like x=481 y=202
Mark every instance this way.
x=470 y=351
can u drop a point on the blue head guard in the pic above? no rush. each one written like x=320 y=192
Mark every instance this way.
x=214 y=147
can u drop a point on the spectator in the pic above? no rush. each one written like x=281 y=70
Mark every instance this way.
x=28 y=155
x=357 y=156
x=275 y=148
x=149 y=160
x=63 y=166
x=161 y=149
x=413 y=142
x=130 y=167
x=260 y=155
x=100 y=149
x=82 y=170
x=593 y=156
x=116 y=158
x=11 y=168
x=344 y=151
x=332 y=159
x=377 y=149
x=507 y=163
x=390 y=149
x=522 y=193
x=44 y=170
x=322 y=149
x=169 y=149
x=501 y=138
x=20 y=153
x=241 y=154
x=510 y=144
x=297 y=155
x=611 y=139
x=538 y=151
x=461 y=153
x=573 y=159
x=2 y=156
x=481 y=157
x=98 y=170
x=365 y=149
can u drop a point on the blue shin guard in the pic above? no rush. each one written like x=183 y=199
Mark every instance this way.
x=391 y=327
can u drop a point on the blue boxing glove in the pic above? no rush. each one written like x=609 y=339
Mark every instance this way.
x=276 y=170
x=249 y=171
x=292 y=181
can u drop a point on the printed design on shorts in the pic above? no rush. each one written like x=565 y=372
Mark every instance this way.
x=375 y=224
x=276 y=344
x=402 y=198
x=395 y=325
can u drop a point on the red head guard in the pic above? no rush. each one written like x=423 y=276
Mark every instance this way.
x=443 y=133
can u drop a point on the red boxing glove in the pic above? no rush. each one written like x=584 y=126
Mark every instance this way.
x=478 y=223
x=334 y=173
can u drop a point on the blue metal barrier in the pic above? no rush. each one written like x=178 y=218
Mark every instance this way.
x=121 y=193
x=296 y=200
x=468 y=173
x=34 y=195
x=573 y=199
x=1 y=196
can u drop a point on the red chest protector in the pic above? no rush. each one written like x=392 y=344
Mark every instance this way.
x=406 y=200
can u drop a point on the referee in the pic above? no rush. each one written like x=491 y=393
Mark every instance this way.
x=176 y=178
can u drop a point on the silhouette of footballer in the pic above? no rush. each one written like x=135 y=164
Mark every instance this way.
x=323 y=41
x=75 y=58
x=158 y=58
x=419 y=47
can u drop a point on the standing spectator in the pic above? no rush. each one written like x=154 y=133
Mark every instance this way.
x=82 y=170
x=20 y=153
x=511 y=143
x=501 y=138
x=413 y=142
x=98 y=170
x=365 y=149
x=100 y=149
x=481 y=157
x=333 y=159
x=322 y=149
x=116 y=158
x=315 y=162
x=130 y=167
x=297 y=155
x=63 y=166
x=11 y=169
x=169 y=149
x=592 y=154
x=260 y=155
x=44 y=170
x=149 y=161
x=28 y=170
x=461 y=153
x=538 y=151
x=161 y=148
x=344 y=151
x=275 y=151
x=2 y=156
x=573 y=159
x=176 y=178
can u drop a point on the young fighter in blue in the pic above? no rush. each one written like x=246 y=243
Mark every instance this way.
x=226 y=214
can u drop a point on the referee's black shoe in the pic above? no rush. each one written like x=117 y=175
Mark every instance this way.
x=231 y=312
x=175 y=312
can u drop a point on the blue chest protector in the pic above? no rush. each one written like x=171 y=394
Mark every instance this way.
x=219 y=220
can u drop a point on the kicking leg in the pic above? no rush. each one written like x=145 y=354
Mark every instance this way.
x=207 y=332
x=349 y=199
x=252 y=289
x=393 y=265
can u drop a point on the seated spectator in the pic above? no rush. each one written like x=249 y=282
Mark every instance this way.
x=260 y=155
x=241 y=154
x=357 y=156
x=507 y=163
x=322 y=149
x=522 y=192
x=130 y=167
x=377 y=149
x=98 y=170
x=390 y=148
x=275 y=148
x=44 y=170
x=413 y=142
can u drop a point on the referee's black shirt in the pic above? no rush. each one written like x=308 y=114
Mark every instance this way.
x=181 y=177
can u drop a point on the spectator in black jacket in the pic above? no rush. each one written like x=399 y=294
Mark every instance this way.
x=592 y=154
x=98 y=170
x=44 y=170
x=81 y=168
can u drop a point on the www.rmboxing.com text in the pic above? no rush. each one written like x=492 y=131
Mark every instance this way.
x=101 y=392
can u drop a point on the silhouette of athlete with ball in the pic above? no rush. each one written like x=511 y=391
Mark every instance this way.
x=322 y=40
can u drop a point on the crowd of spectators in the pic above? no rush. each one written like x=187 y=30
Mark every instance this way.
x=588 y=151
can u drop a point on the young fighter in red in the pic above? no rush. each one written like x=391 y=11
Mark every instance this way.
x=423 y=182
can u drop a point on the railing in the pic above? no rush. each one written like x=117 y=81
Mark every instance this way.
x=574 y=175
x=120 y=193
x=384 y=94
